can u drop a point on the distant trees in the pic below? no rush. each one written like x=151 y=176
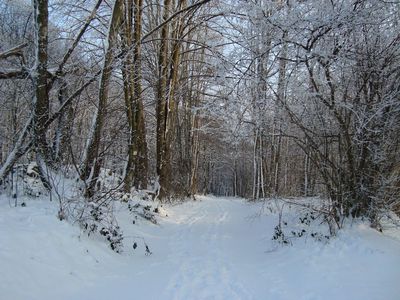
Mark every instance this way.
x=329 y=92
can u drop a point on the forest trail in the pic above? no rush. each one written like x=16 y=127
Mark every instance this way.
x=204 y=249
x=200 y=248
x=213 y=248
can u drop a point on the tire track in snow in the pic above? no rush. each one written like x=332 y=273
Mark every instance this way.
x=198 y=250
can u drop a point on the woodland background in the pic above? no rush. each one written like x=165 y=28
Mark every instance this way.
x=255 y=99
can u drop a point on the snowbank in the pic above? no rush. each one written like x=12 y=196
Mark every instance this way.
x=216 y=248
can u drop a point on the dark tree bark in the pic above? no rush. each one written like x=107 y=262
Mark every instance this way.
x=137 y=166
x=90 y=169
x=40 y=80
x=161 y=109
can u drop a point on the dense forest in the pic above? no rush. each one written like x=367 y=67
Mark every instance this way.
x=258 y=98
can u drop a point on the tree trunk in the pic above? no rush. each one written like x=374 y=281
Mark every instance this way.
x=63 y=131
x=41 y=99
x=277 y=126
x=161 y=104
x=137 y=165
x=89 y=172
x=195 y=149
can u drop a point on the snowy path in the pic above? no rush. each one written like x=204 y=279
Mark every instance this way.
x=215 y=248
x=200 y=248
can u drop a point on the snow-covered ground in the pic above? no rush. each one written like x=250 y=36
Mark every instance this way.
x=215 y=248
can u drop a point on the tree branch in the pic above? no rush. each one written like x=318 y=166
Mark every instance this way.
x=14 y=74
x=16 y=51
x=75 y=43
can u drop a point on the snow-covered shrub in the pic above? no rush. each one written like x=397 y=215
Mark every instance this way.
x=33 y=185
x=144 y=211
x=24 y=180
x=303 y=220
x=96 y=218
x=108 y=179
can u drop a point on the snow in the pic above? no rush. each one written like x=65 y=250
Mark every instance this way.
x=213 y=248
